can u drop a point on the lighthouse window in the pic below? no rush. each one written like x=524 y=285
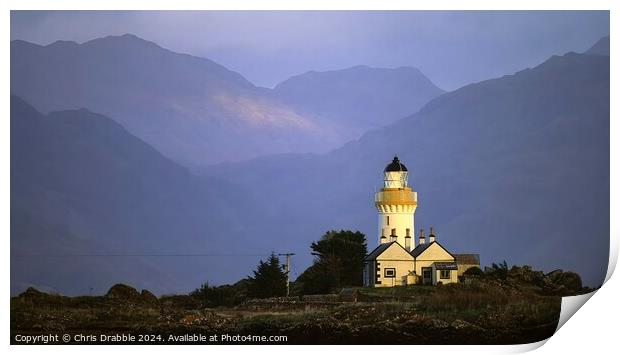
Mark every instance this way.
x=388 y=220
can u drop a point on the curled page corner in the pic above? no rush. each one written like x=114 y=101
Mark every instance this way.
x=524 y=348
x=570 y=306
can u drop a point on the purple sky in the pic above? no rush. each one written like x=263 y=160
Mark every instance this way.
x=452 y=48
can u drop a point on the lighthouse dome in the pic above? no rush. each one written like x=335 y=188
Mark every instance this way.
x=395 y=165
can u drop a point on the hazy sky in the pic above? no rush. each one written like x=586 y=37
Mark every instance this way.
x=451 y=48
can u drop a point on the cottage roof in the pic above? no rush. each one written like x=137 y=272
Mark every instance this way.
x=382 y=248
x=421 y=248
x=467 y=259
x=378 y=251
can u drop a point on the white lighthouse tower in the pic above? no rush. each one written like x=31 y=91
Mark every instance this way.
x=396 y=203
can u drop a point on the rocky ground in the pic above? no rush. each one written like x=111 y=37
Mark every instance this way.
x=495 y=307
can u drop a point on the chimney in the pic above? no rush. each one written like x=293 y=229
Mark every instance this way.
x=383 y=239
x=422 y=238
x=393 y=236
x=431 y=236
x=408 y=240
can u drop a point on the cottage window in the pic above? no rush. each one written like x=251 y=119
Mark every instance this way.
x=444 y=274
x=389 y=272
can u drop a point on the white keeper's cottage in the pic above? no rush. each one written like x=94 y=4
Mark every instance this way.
x=398 y=260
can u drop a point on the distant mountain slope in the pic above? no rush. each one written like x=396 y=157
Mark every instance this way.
x=84 y=193
x=515 y=168
x=360 y=97
x=600 y=48
x=191 y=109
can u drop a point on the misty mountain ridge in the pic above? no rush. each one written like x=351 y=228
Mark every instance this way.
x=359 y=94
x=489 y=163
x=192 y=109
x=601 y=47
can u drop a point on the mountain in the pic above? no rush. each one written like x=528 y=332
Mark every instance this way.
x=92 y=205
x=514 y=168
x=192 y=109
x=600 y=48
x=359 y=98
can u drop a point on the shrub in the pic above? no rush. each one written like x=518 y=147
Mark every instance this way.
x=473 y=271
x=500 y=270
x=217 y=296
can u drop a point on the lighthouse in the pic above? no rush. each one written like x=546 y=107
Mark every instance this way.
x=396 y=203
x=397 y=261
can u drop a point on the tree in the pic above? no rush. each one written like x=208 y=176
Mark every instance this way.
x=338 y=262
x=269 y=279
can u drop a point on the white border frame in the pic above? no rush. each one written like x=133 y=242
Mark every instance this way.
x=593 y=328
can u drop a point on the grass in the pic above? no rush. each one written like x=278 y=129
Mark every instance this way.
x=476 y=312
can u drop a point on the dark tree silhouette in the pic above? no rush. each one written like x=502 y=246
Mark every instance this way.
x=269 y=279
x=338 y=262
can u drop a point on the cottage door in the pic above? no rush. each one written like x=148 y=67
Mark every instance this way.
x=427 y=276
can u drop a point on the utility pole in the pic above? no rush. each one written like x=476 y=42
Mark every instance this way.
x=288 y=271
